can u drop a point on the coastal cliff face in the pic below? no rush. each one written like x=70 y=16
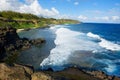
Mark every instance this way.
x=8 y=38
x=10 y=42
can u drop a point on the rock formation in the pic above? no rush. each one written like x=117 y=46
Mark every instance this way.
x=11 y=42
x=19 y=72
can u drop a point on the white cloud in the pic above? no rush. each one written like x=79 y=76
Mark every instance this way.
x=55 y=10
x=76 y=3
x=109 y=19
x=115 y=18
x=32 y=6
x=105 y=18
x=82 y=17
x=9 y=5
x=101 y=19
x=29 y=1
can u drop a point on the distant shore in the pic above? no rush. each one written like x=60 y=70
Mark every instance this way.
x=19 y=30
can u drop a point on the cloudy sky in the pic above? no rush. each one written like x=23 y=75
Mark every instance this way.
x=107 y=11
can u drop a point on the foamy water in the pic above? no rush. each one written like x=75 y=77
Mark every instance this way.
x=70 y=48
x=105 y=43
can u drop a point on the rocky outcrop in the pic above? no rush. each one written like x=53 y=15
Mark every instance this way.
x=11 y=42
x=40 y=76
x=8 y=37
x=37 y=41
x=101 y=75
x=70 y=74
x=26 y=72
x=20 y=72
x=16 y=72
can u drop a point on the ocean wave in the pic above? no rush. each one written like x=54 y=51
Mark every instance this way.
x=90 y=34
x=59 y=55
x=67 y=42
x=105 y=43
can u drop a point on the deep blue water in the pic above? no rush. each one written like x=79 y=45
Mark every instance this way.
x=108 y=31
x=89 y=45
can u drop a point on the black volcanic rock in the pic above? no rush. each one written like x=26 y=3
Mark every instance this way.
x=10 y=42
x=8 y=37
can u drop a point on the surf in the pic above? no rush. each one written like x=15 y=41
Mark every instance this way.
x=105 y=43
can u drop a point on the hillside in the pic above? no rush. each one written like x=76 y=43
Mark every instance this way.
x=23 y=20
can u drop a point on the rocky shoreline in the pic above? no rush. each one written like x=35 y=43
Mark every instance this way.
x=22 y=72
x=10 y=43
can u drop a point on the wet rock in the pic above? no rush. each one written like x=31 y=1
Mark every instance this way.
x=10 y=42
x=8 y=37
x=37 y=41
x=116 y=78
x=16 y=72
x=40 y=76
x=102 y=75
x=25 y=72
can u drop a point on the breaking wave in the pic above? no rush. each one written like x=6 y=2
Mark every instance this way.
x=67 y=42
x=78 y=48
x=105 y=43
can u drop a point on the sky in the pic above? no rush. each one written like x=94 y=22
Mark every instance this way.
x=100 y=11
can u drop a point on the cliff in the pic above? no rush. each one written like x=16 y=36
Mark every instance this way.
x=8 y=38
x=10 y=43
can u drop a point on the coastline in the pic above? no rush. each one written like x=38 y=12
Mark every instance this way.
x=19 y=30
x=96 y=74
x=73 y=73
x=26 y=72
x=47 y=26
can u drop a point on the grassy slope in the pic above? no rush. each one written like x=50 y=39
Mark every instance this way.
x=23 y=20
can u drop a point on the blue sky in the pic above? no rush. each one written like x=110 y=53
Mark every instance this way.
x=107 y=11
x=101 y=10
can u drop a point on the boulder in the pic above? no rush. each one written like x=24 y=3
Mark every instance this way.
x=37 y=41
x=21 y=72
x=40 y=76
x=16 y=72
x=101 y=75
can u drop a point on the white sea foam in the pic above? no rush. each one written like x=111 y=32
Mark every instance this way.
x=105 y=43
x=67 y=42
x=109 y=45
x=93 y=35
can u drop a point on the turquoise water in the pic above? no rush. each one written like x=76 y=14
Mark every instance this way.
x=88 y=45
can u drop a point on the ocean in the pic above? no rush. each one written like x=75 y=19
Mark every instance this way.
x=86 y=45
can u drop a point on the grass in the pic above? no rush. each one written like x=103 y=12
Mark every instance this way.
x=25 y=21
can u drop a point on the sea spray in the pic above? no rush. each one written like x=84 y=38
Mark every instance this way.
x=105 y=43
x=67 y=42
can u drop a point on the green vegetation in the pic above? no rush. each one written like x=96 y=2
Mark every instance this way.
x=15 y=15
x=23 y=20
